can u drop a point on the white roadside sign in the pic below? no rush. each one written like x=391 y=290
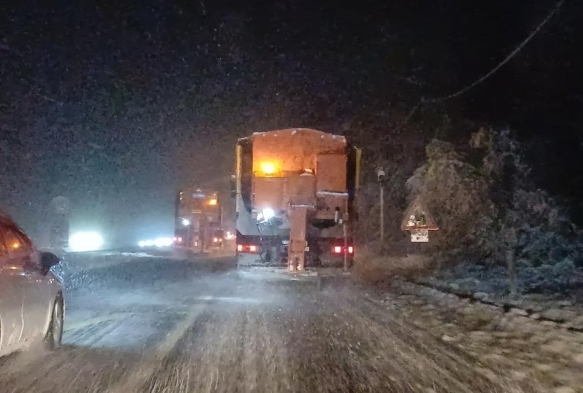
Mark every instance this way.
x=420 y=236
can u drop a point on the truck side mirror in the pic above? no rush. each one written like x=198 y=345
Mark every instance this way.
x=233 y=186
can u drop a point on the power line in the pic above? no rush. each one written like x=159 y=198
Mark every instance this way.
x=411 y=113
x=506 y=60
x=465 y=89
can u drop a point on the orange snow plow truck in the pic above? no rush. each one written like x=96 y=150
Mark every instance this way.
x=295 y=199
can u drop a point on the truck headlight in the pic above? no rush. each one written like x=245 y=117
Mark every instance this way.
x=85 y=241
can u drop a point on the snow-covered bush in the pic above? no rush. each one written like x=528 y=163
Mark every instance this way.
x=525 y=219
x=456 y=194
x=491 y=210
x=565 y=268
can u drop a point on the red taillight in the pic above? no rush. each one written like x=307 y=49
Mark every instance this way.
x=247 y=248
x=341 y=250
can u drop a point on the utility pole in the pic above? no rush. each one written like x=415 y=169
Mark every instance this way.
x=381 y=179
x=345 y=245
x=382 y=211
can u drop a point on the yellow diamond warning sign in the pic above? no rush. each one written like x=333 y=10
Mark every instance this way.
x=417 y=217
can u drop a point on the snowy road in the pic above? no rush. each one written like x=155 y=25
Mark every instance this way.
x=160 y=325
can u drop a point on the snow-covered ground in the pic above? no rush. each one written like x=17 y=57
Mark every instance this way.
x=553 y=293
x=522 y=343
x=161 y=325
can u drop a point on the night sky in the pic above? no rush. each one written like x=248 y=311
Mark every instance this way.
x=116 y=105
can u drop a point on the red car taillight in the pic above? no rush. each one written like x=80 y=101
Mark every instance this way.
x=338 y=249
x=247 y=248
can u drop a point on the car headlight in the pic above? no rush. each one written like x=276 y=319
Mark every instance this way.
x=85 y=241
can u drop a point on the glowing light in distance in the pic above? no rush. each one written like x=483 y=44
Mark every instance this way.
x=213 y=202
x=85 y=241
x=146 y=243
x=185 y=222
x=265 y=214
x=268 y=167
x=163 y=242
x=268 y=213
x=158 y=242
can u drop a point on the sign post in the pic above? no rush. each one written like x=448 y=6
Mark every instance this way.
x=381 y=180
